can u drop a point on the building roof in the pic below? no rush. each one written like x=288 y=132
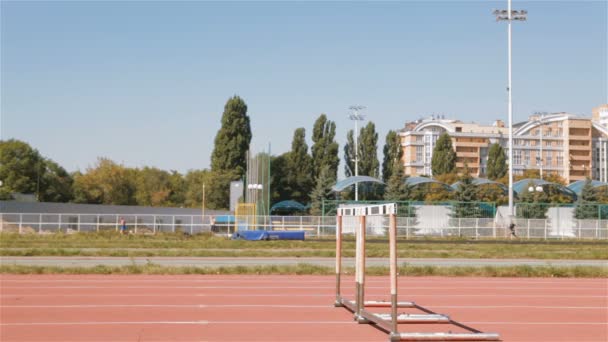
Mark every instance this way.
x=577 y=186
x=345 y=183
x=415 y=181
x=522 y=185
x=288 y=205
x=483 y=181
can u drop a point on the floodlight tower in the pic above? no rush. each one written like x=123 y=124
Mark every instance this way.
x=509 y=15
x=356 y=117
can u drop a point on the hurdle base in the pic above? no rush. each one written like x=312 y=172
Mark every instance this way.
x=338 y=304
x=394 y=337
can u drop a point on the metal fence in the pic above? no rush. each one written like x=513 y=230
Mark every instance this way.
x=441 y=225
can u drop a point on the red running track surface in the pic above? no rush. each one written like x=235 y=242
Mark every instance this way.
x=287 y=308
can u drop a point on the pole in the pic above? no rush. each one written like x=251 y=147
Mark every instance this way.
x=392 y=232
x=541 y=147
x=338 y=302
x=356 y=160
x=605 y=162
x=510 y=113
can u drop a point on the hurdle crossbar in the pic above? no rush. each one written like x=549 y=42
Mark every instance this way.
x=389 y=321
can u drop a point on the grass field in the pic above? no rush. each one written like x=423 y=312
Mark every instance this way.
x=301 y=269
x=205 y=245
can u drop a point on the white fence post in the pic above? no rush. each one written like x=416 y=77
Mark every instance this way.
x=191 y=223
x=39 y=222
x=154 y=226
x=60 y=217
x=78 y=223
x=116 y=227
x=135 y=224
x=545 y=232
x=20 y=223
x=173 y=224
x=97 y=229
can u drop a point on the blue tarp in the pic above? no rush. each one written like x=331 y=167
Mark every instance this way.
x=257 y=235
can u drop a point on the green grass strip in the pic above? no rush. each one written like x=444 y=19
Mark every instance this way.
x=307 y=269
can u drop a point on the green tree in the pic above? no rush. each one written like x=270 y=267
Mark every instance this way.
x=279 y=184
x=587 y=207
x=56 y=183
x=322 y=190
x=396 y=189
x=444 y=157
x=349 y=154
x=465 y=197
x=152 y=187
x=368 y=147
x=232 y=139
x=532 y=204
x=497 y=164
x=392 y=152
x=177 y=184
x=106 y=183
x=299 y=168
x=324 y=149
x=21 y=167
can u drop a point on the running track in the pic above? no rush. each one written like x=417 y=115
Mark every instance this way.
x=287 y=308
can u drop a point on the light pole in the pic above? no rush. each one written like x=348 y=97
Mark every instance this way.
x=539 y=159
x=356 y=117
x=509 y=16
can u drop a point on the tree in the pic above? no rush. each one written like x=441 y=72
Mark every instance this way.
x=232 y=139
x=21 y=167
x=587 y=207
x=444 y=157
x=106 y=183
x=497 y=164
x=466 y=197
x=324 y=149
x=279 y=183
x=392 y=152
x=299 y=168
x=532 y=204
x=397 y=190
x=349 y=154
x=322 y=190
x=152 y=187
x=368 y=147
x=56 y=183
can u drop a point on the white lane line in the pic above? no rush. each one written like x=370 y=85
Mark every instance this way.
x=177 y=323
x=272 y=322
x=165 y=295
x=540 y=323
x=326 y=281
x=577 y=288
x=87 y=306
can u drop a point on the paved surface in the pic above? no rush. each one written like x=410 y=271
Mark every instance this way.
x=289 y=308
x=329 y=262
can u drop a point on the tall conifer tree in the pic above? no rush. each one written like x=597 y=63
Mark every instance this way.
x=444 y=156
x=232 y=139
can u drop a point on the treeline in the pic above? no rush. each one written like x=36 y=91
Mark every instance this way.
x=303 y=174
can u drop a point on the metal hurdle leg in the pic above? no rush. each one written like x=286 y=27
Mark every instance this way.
x=392 y=236
x=360 y=271
x=338 y=302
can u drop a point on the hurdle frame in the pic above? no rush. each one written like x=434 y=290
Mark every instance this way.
x=389 y=322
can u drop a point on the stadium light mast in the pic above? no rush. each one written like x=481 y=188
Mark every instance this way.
x=356 y=117
x=509 y=15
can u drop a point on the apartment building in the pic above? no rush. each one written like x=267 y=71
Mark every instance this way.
x=566 y=142
x=600 y=115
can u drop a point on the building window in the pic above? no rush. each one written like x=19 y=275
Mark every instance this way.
x=516 y=157
x=419 y=153
x=549 y=157
x=560 y=157
x=527 y=157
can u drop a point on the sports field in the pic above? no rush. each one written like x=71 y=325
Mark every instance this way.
x=287 y=308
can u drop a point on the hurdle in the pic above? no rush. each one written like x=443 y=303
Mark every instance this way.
x=389 y=322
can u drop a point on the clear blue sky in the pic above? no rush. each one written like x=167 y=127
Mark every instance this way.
x=144 y=83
